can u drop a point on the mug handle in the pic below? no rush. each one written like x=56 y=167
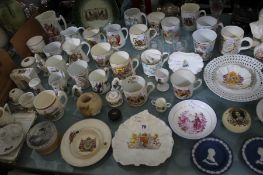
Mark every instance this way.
x=202 y=12
x=220 y=25
x=103 y=37
x=155 y=33
x=150 y=87
x=7 y=108
x=82 y=51
x=249 y=40
x=197 y=84
x=107 y=71
x=126 y=30
x=61 y=95
x=75 y=89
x=135 y=60
x=145 y=18
x=165 y=54
x=63 y=20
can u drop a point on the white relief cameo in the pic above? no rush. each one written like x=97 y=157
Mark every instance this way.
x=210 y=160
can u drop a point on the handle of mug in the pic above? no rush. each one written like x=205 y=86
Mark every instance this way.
x=87 y=44
x=63 y=20
x=107 y=71
x=145 y=18
x=165 y=55
x=249 y=40
x=168 y=105
x=127 y=32
x=63 y=98
x=155 y=33
x=221 y=25
x=153 y=102
x=150 y=87
x=103 y=37
x=135 y=60
x=7 y=108
x=76 y=90
x=202 y=12
x=197 y=84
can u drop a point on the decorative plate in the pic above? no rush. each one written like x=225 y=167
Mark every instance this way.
x=190 y=61
x=212 y=155
x=244 y=93
x=192 y=119
x=11 y=136
x=259 y=110
x=143 y=139
x=86 y=142
x=252 y=153
x=95 y=13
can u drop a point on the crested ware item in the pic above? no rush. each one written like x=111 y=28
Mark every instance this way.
x=114 y=98
x=154 y=20
x=143 y=139
x=208 y=22
x=36 y=85
x=101 y=53
x=171 y=27
x=53 y=48
x=160 y=104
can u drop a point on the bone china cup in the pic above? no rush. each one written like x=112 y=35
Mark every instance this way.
x=101 y=53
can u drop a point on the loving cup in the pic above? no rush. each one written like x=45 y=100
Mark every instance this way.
x=101 y=53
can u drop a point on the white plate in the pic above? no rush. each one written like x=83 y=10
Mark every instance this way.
x=79 y=161
x=252 y=92
x=145 y=149
x=259 y=110
x=192 y=119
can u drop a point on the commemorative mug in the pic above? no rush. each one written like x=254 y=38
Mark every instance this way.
x=14 y=94
x=93 y=36
x=115 y=36
x=51 y=104
x=56 y=63
x=99 y=80
x=189 y=13
x=53 y=48
x=141 y=36
x=134 y=16
x=122 y=65
x=184 y=83
x=204 y=41
x=101 y=53
x=72 y=32
x=171 y=27
x=153 y=59
x=5 y=115
x=232 y=38
x=208 y=22
x=154 y=20
x=36 y=44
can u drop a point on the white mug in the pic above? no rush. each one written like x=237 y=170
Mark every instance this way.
x=134 y=16
x=36 y=44
x=115 y=36
x=141 y=36
x=53 y=48
x=99 y=80
x=171 y=27
x=72 y=32
x=5 y=115
x=208 y=22
x=93 y=36
x=154 y=20
x=56 y=63
x=101 y=53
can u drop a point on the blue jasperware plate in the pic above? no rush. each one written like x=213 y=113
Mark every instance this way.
x=212 y=155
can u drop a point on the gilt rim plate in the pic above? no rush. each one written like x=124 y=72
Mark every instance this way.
x=250 y=93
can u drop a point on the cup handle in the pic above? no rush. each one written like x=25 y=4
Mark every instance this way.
x=107 y=70
x=6 y=108
x=134 y=60
x=145 y=18
x=61 y=95
x=153 y=102
x=126 y=30
x=249 y=40
x=103 y=37
x=75 y=89
x=155 y=33
x=165 y=55
x=221 y=25
x=87 y=44
x=197 y=84
x=168 y=105
x=202 y=12
x=63 y=20
x=150 y=87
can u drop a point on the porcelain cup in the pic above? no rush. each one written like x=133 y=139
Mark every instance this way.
x=141 y=36
x=36 y=44
x=36 y=85
x=14 y=94
x=93 y=36
x=171 y=27
x=208 y=22
x=184 y=83
x=51 y=104
x=134 y=16
x=57 y=81
x=122 y=65
x=204 y=41
x=5 y=115
x=53 y=48
x=116 y=35
x=154 y=20
x=101 y=53
x=26 y=100
x=160 y=104
x=72 y=32
x=232 y=38
x=153 y=59
x=56 y=63
x=189 y=13
x=99 y=80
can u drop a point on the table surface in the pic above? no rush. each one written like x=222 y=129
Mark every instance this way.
x=179 y=162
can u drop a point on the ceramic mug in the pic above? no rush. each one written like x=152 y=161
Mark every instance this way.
x=51 y=104
x=153 y=59
x=26 y=100
x=57 y=81
x=93 y=36
x=5 y=115
x=72 y=32
x=14 y=94
x=141 y=36
x=232 y=38
x=184 y=83
x=36 y=85
x=136 y=90
x=74 y=47
x=101 y=53
x=50 y=23
x=160 y=104
x=53 y=48
x=134 y=16
x=162 y=77
x=171 y=27
x=99 y=80
x=115 y=36
x=204 y=41
x=189 y=13
x=154 y=20
x=56 y=63
x=36 y=44
x=208 y=22
x=122 y=65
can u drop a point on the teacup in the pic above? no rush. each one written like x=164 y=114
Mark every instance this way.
x=171 y=27
x=141 y=36
x=101 y=53
x=134 y=16
x=5 y=115
x=189 y=13
x=14 y=94
x=232 y=39
x=115 y=35
x=26 y=100
x=204 y=41
x=160 y=104
x=136 y=90
x=56 y=63
x=184 y=83
x=72 y=32
x=93 y=36
x=154 y=20
x=36 y=44
x=53 y=48
x=51 y=104
x=208 y=22
x=153 y=59
x=122 y=65
x=99 y=80
x=162 y=77
x=36 y=85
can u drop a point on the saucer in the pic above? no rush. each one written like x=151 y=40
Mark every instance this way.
x=86 y=142
x=212 y=156
x=259 y=110
x=252 y=153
